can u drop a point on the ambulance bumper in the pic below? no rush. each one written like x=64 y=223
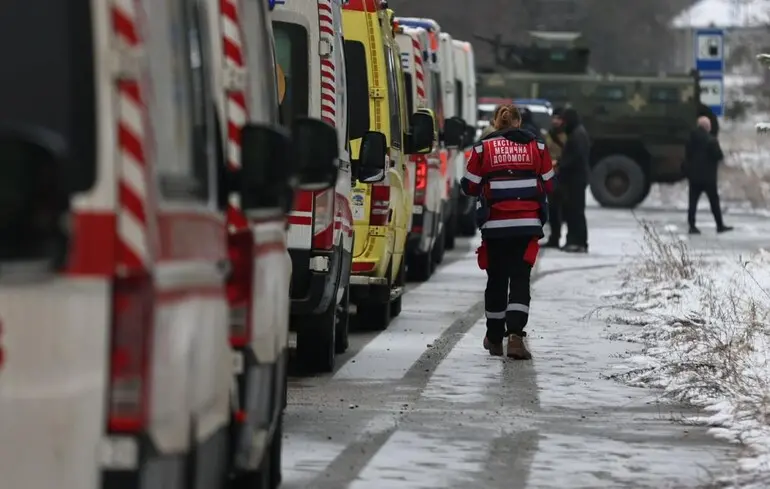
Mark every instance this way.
x=139 y=465
x=313 y=280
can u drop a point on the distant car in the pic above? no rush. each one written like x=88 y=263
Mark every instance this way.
x=541 y=109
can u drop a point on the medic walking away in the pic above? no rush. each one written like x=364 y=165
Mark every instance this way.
x=510 y=171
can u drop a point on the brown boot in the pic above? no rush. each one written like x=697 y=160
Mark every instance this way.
x=517 y=349
x=496 y=350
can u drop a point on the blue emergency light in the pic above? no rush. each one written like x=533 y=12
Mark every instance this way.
x=272 y=3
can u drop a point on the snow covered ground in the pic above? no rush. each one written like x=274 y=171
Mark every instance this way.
x=701 y=310
x=422 y=405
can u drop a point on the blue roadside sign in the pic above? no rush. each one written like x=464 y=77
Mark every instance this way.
x=712 y=92
x=709 y=50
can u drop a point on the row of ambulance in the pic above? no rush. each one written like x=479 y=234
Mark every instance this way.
x=402 y=95
x=182 y=182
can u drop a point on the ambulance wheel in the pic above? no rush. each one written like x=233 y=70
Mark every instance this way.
x=450 y=233
x=420 y=267
x=468 y=225
x=275 y=455
x=342 y=340
x=376 y=316
x=316 y=340
x=262 y=478
x=439 y=247
x=395 y=304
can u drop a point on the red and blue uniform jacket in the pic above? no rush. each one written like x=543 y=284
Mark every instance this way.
x=511 y=173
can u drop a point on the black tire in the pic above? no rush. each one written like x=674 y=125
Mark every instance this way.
x=618 y=181
x=376 y=317
x=342 y=339
x=420 y=267
x=316 y=340
x=439 y=247
x=258 y=479
x=276 y=477
x=395 y=304
x=450 y=232
x=468 y=225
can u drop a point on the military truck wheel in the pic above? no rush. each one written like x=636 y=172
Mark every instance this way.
x=618 y=181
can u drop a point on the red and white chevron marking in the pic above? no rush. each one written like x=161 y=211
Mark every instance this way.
x=133 y=178
x=237 y=111
x=418 y=69
x=328 y=69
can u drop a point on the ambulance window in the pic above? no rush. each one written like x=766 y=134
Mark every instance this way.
x=438 y=102
x=180 y=102
x=47 y=77
x=260 y=55
x=291 y=50
x=358 y=92
x=410 y=109
x=394 y=99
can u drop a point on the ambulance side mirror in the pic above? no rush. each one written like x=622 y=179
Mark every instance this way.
x=454 y=129
x=34 y=203
x=316 y=153
x=267 y=168
x=372 y=163
x=422 y=132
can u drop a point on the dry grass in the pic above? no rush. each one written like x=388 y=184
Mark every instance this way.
x=706 y=339
x=663 y=258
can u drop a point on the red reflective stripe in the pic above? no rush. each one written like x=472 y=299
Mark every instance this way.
x=361 y=5
x=94 y=244
x=299 y=220
x=183 y=236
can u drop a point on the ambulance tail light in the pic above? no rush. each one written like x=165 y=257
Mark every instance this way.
x=420 y=179
x=323 y=219
x=380 y=208
x=133 y=317
x=240 y=251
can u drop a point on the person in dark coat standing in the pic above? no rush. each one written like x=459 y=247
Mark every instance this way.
x=555 y=140
x=702 y=157
x=528 y=123
x=573 y=175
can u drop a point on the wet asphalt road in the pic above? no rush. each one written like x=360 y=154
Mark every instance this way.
x=421 y=405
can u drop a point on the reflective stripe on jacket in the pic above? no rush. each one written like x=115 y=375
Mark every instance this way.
x=511 y=172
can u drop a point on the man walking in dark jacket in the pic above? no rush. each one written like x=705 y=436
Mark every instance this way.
x=702 y=157
x=573 y=176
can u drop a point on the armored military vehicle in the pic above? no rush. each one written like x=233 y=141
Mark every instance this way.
x=638 y=124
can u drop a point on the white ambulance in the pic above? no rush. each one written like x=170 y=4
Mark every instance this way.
x=113 y=228
x=258 y=285
x=309 y=49
x=425 y=170
x=441 y=69
x=465 y=91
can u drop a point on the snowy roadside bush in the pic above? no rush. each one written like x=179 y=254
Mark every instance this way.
x=705 y=329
